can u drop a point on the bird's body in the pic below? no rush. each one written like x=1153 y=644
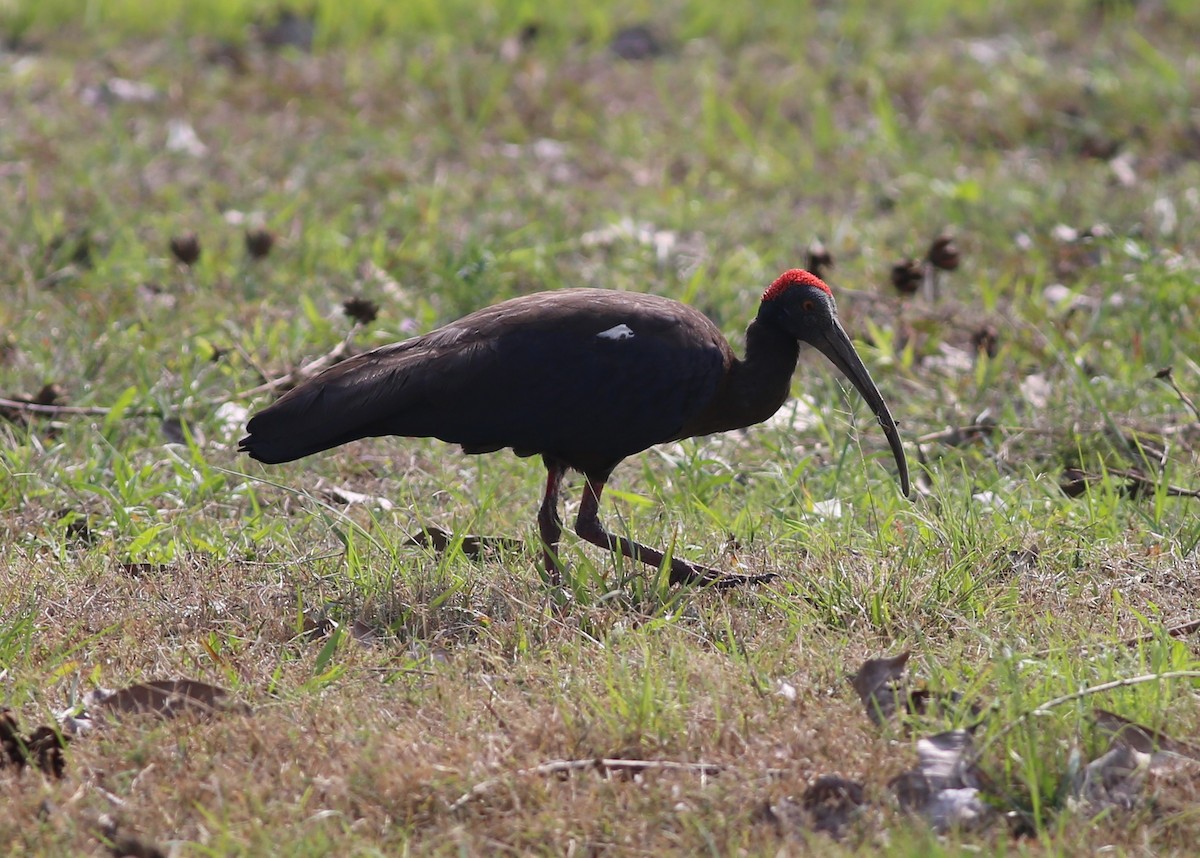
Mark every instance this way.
x=582 y=377
x=562 y=374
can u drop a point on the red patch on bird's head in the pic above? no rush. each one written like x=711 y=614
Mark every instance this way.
x=794 y=277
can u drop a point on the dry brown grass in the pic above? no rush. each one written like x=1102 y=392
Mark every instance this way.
x=377 y=756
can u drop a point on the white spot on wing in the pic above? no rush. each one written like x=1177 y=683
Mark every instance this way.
x=620 y=332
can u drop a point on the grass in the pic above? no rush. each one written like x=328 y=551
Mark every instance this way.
x=431 y=160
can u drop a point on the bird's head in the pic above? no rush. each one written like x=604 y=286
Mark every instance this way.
x=801 y=304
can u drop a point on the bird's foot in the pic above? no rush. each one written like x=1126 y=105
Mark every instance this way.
x=694 y=573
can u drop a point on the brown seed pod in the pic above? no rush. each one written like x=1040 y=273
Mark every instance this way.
x=907 y=276
x=986 y=340
x=819 y=258
x=259 y=242
x=362 y=310
x=186 y=248
x=943 y=253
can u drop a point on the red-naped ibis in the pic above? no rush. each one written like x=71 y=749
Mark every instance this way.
x=581 y=377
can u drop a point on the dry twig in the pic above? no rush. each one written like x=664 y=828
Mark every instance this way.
x=39 y=408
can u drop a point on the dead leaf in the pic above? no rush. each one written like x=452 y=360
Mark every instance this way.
x=958 y=809
x=73 y=722
x=472 y=546
x=1111 y=781
x=912 y=790
x=10 y=740
x=944 y=760
x=43 y=748
x=165 y=698
x=364 y=633
x=832 y=802
x=786 y=815
x=1141 y=738
x=829 y=805
x=944 y=788
x=878 y=685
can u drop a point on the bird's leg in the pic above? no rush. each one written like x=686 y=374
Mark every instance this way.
x=549 y=523
x=588 y=527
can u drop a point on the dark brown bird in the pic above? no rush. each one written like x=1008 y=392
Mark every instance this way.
x=581 y=377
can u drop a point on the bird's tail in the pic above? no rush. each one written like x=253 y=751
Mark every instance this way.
x=374 y=393
x=294 y=426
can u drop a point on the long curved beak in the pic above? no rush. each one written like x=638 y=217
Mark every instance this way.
x=836 y=345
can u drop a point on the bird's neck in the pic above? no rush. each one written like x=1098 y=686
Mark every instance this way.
x=755 y=386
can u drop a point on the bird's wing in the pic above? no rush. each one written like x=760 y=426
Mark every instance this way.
x=589 y=378
x=593 y=384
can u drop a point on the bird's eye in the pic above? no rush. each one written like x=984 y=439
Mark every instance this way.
x=808 y=306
